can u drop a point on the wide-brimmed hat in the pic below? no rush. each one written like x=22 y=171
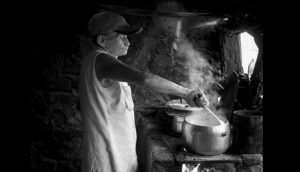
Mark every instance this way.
x=105 y=22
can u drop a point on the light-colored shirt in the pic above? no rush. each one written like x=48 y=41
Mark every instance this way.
x=109 y=136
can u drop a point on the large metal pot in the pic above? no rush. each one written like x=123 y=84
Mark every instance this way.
x=212 y=139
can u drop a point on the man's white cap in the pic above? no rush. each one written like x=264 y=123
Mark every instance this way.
x=104 y=22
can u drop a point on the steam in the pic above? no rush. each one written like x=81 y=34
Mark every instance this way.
x=200 y=72
x=210 y=23
x=200 y=75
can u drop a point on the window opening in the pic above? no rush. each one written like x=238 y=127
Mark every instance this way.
x=249 y=52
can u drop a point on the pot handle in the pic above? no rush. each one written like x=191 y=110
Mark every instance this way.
x=224 y=134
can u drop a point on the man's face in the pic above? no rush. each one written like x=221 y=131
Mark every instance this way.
x=117 y=44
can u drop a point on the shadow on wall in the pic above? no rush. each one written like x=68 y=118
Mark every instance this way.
x=56 y=121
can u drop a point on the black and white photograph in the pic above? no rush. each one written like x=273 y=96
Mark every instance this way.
x=147 y=86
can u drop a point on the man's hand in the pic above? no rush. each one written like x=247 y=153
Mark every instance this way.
x=197 y=98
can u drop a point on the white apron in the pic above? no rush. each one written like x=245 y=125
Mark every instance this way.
x=109 y=136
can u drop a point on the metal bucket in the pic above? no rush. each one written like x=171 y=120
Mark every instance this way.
x=247 y=132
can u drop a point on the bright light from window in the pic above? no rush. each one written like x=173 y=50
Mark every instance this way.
x=249 y=52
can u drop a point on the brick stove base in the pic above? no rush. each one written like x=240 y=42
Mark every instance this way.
x=161 y=152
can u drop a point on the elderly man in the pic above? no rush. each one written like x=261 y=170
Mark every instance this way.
x=109 y=142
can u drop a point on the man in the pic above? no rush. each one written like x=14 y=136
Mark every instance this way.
x=109 y=143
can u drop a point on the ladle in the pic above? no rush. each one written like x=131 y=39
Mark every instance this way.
x=220 y=121
x=206 y=107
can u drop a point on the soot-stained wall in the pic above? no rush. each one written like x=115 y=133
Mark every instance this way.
x=56 y=124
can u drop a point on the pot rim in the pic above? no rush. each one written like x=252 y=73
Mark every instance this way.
x=175 y=105
x=205 y=126
x=244 y=113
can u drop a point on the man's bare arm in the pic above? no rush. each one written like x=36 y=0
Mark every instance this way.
x=110 y=67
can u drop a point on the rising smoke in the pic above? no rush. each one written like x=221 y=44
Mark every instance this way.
x=200 y=74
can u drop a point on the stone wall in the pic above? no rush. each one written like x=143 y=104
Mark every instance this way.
x=56 y=124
